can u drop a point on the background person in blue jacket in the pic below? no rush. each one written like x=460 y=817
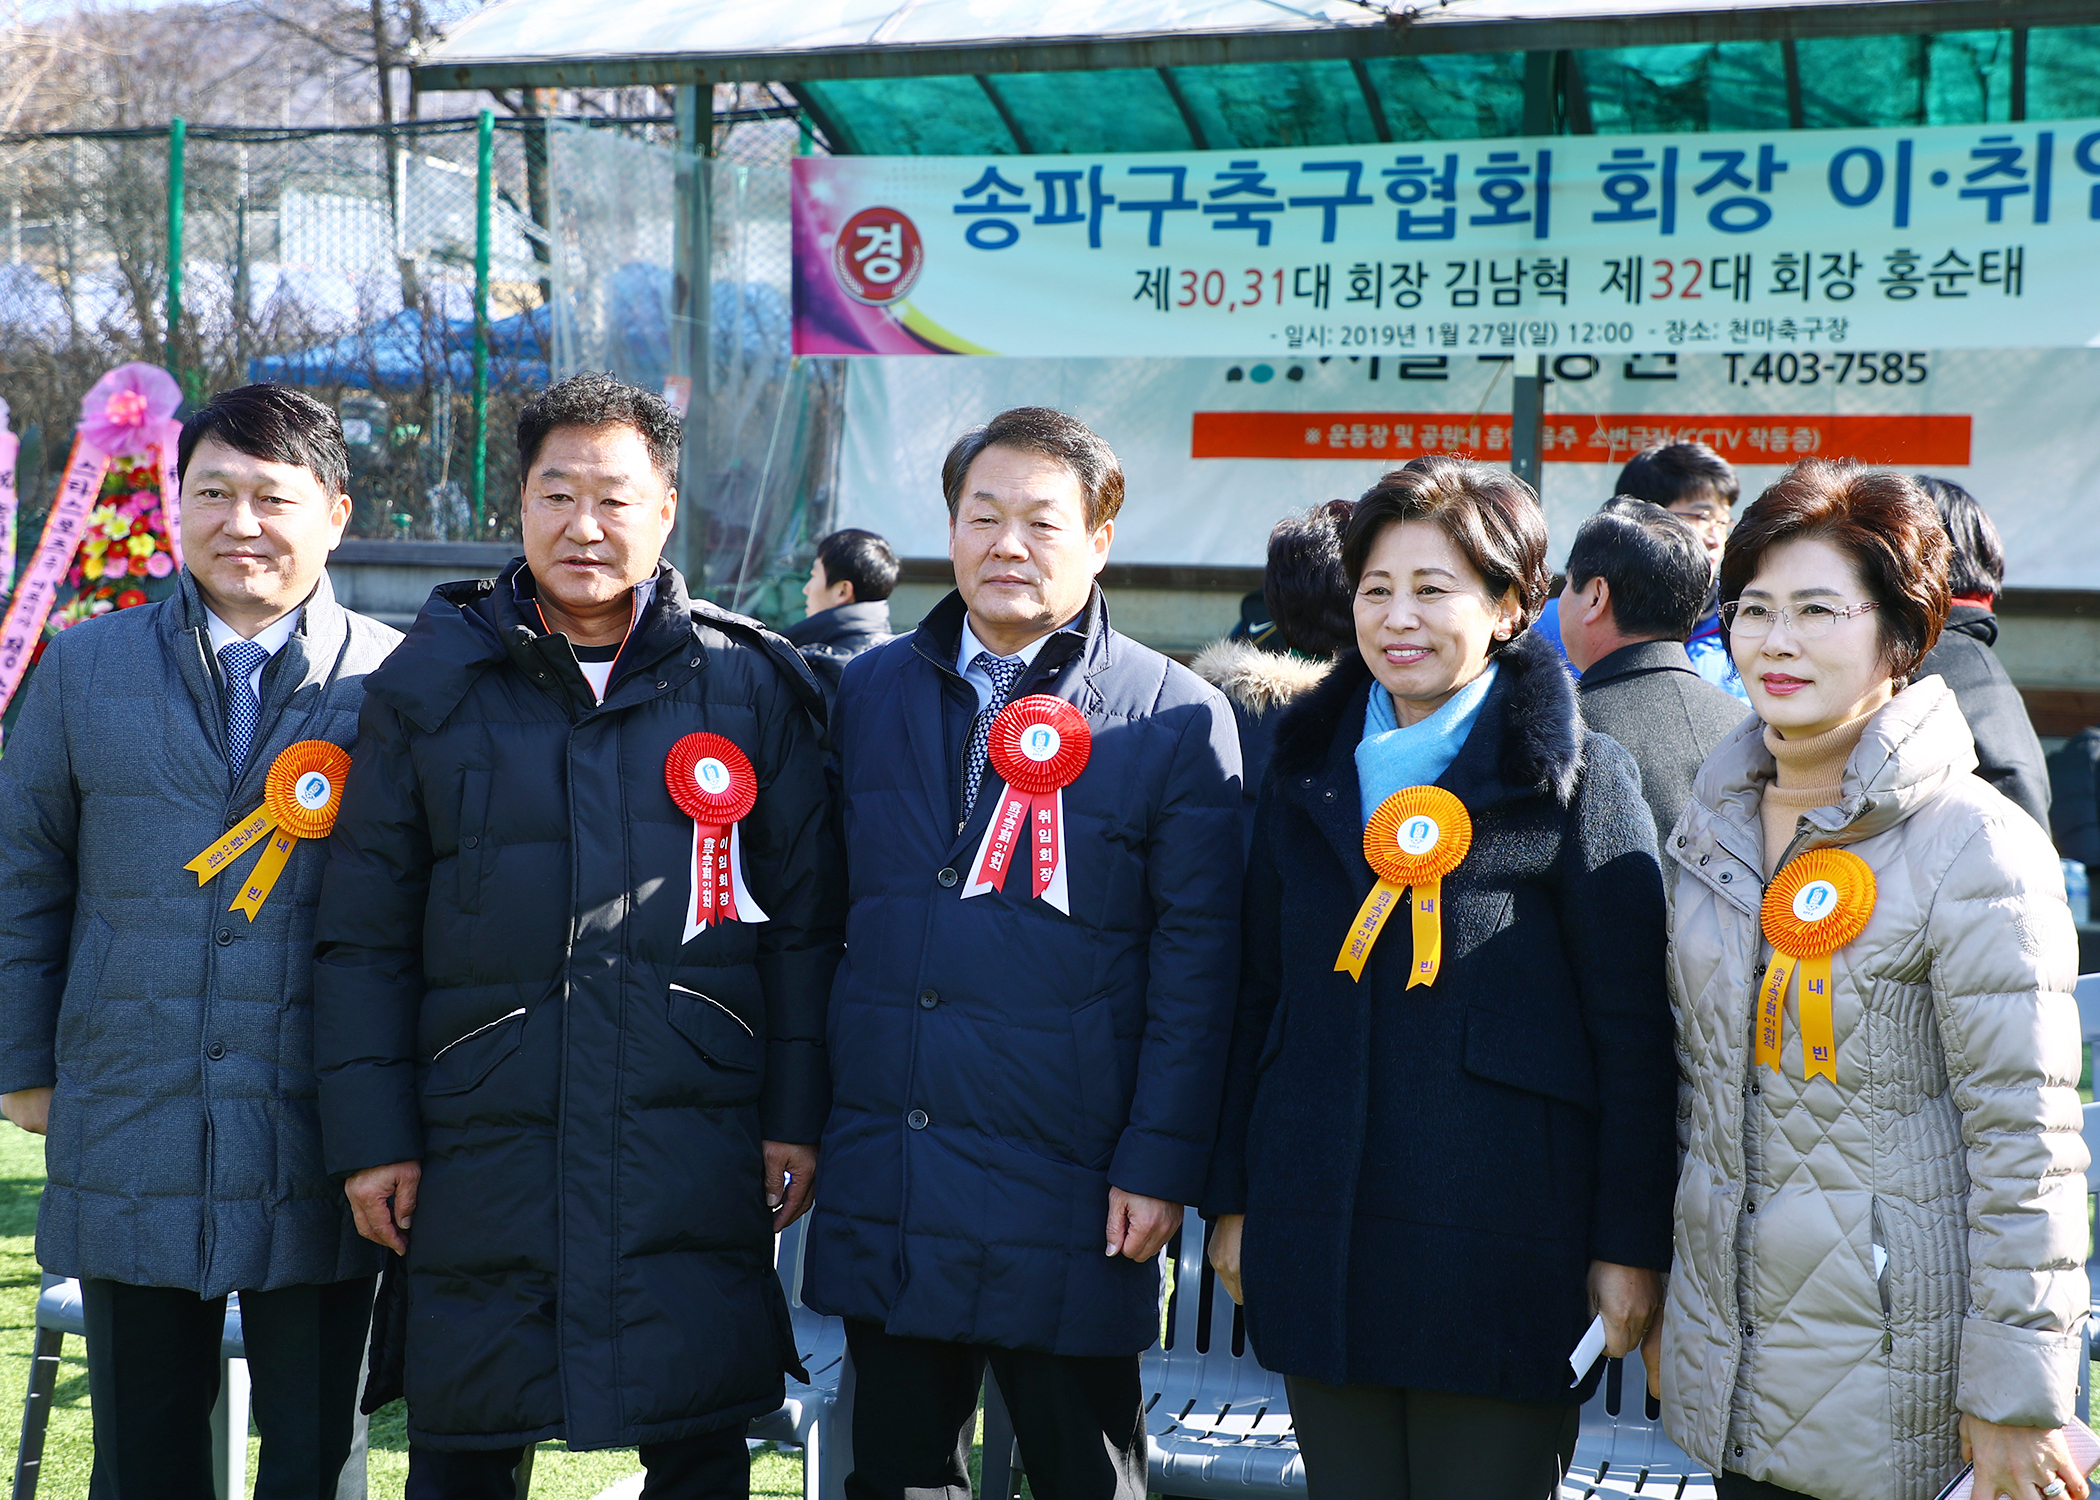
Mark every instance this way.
x=1022 y=1099
x=1426 y=1192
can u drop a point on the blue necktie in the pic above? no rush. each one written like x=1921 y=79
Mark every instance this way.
x=239 y=659
x=1004 y=671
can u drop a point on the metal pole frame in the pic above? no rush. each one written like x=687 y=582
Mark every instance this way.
x=484 y=193
x=178 y=138
x=692 y=318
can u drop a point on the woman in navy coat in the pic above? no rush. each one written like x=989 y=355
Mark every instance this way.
x=1425 y=1192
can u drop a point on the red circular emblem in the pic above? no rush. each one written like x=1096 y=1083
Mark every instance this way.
x=878 y=255
x=1040 y=744
x=710 y=779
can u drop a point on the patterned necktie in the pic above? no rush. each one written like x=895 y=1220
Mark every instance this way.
x=239 y=659
x=1004 y=671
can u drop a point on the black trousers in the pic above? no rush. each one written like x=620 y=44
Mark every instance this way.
x=1377 y=1442
x=153 y=1376
x=1080 y=1422
x=712 y=1466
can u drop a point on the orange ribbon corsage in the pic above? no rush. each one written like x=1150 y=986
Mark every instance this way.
x=1415 y=838
x=301 y=796
x=1817 y=904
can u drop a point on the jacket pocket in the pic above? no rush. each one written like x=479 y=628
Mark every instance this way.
x=465 y=1062
x=1526 y=1054
x=84 y=973
x=722 y=1036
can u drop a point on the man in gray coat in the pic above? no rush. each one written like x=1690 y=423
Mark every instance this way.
x=159 y=1029
x=1637 y=581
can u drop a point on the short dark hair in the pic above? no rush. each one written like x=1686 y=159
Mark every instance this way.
x=1977 y=570
x=1041 y=429
x=1304 y=586
x=1654 y=564
x=274 y=423
x=1491 y=516
x=1670 y=472
x=596 y=398
x=861 y=558
x=1883 y=521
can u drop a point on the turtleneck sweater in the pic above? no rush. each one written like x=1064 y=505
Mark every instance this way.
x=1811 y=775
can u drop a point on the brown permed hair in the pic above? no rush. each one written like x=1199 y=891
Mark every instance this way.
x=1881 y=520
x=1491 y=516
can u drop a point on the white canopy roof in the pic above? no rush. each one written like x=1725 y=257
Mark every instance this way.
x=593 y=43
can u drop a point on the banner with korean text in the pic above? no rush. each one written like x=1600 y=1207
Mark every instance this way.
x=1952 y=237
x=1214 y=451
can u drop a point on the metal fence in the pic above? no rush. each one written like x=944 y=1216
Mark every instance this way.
x=424 y=279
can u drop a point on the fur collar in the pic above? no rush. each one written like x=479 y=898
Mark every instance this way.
x=1257 y=680
x=1531 y=718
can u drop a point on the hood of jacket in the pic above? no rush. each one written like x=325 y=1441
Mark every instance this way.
x=467 y=628
x=841 y=624
x=1531 y=722
x=1975 y=621
x=1257 y=680
x=1910 y=751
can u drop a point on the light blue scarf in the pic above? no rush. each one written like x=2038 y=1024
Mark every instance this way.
x=1389 y=757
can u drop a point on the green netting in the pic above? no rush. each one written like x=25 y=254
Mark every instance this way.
x=912 y=116
x=1730 y=86
x=1277 y=104
x=1469 y=96
x=1120 y=109
x=1957 y=78
x=2063 y=73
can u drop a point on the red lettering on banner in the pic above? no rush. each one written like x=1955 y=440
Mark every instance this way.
x=1581 y=438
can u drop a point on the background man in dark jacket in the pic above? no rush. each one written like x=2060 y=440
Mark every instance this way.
x=847 y=599
x=594 y=1097
x=2008 y=755
x=1009 y=1079
x=166 y=1039
x=1637 y=581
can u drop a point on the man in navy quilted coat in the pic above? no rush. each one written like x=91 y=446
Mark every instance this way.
x=1025 y=1087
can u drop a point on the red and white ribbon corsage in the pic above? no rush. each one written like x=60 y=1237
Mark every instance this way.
x=713 y=784
x=1038 y=747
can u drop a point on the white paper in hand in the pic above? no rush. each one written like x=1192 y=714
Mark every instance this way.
x=1587 y=1351
x=2079 y=1438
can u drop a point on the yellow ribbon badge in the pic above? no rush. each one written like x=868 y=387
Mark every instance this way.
x=1416 y=837
x=1816 y=905
x=301 y=797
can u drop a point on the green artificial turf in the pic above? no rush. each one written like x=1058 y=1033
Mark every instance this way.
x=69 y=1443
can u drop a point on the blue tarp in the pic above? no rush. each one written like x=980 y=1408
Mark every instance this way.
x=408 y=350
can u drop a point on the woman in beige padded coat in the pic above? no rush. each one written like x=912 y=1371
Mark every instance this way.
x=1877 y=1274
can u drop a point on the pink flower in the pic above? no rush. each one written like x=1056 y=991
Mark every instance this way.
x=160 y=565
x=116 y=565
x=124 y=411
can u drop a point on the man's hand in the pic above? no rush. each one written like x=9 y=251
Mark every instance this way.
x=383 y=1200
x=2018 y=1461
x=1629 y=1299
x=28 y=1108
x=1225 y=1253
x=791 y=1172
x=1139 y=1226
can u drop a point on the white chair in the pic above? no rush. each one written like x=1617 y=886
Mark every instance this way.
x=816 y=1417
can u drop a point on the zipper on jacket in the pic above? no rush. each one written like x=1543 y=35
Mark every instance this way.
x=1881 y=1274
x=718 y=1005
x=477 y=1031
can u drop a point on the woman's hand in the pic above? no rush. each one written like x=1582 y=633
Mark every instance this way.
x=1225 y=1254
x=1629 y=1299
x=2019 y=1462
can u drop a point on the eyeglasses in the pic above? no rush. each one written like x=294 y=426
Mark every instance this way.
x=1704 y=516
x=1806 y=622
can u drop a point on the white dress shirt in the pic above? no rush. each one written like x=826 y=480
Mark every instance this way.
x=977 y=677
x=271 y=638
